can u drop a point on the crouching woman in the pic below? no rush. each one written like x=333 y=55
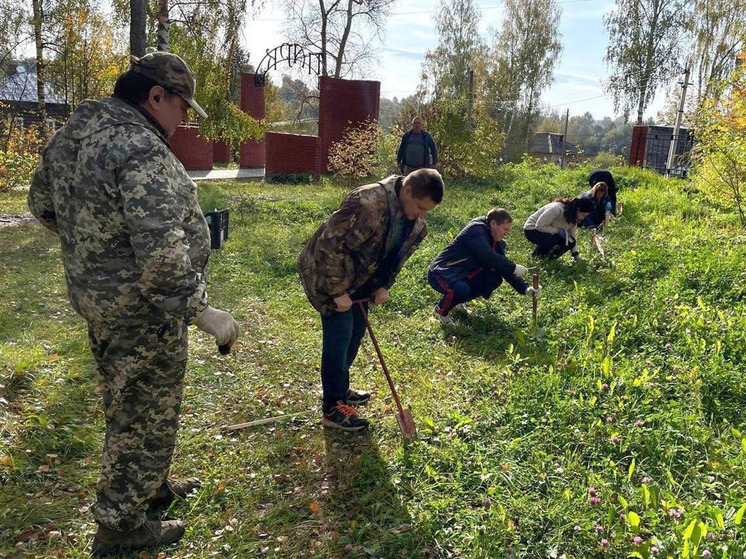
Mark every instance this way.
x=553 y=228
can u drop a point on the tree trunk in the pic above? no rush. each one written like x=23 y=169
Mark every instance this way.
x=324 y=17
x=40 y=78
x=163 y=25
x=138 y=20
x=343 y=42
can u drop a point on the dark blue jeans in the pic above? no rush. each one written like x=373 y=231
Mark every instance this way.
x=461 y=291
x=341 y=336
x=548 y=244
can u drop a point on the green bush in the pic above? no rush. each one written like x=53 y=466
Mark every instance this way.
x=19 y=157
x=365 y=151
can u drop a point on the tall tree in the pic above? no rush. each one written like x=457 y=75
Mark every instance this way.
x=460 y=50
x=88 y=51
x=719 y=34
x=523 y=56
x=12 y=30
x=643 y=51
x=138 y=27
x=343 y=31
x=38 y=9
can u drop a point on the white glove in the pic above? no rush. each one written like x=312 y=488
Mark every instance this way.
x=219 y=324
x=533 y=293
x=520 y=271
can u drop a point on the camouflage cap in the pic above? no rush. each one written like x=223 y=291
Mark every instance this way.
x=171 y=72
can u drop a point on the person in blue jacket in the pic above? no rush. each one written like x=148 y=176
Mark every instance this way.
x=417 y=149
x=474 y=264
x=603 y=175
x=601 y=206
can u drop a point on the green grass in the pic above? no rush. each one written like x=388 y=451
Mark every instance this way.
x=637 y=390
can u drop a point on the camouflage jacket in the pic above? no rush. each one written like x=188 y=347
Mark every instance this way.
x=348 y=248
x=132 y=233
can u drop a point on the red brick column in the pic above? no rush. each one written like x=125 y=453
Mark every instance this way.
x=194 y=152
x=252 y=103
x=344 y=103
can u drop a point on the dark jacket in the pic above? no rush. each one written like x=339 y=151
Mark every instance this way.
x=347 y=250
x=598 y=216
x=132 y=232
x=474 y=251
x=429 y=147
x=602 y=175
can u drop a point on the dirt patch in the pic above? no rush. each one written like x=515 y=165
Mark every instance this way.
x=9 y=220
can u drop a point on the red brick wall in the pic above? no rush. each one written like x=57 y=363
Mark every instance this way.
x=221 y=152
x=252 y=102
x=194 y=152
x=291 y=153
x=343 y=102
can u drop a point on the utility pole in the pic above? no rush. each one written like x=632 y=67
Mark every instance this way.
x=564 y=141
x=677 y=125
x=471 y=96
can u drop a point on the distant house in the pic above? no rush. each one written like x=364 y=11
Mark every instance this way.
x=19 y=99
x=551 y=147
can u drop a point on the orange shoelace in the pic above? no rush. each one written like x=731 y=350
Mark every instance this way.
x=346 y=410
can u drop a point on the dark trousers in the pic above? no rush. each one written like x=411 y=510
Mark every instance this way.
x=463 y=290
x=142 y=366
x=342 y=333
x=548 y=244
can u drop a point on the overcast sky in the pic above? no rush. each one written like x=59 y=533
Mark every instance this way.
x=410 y=33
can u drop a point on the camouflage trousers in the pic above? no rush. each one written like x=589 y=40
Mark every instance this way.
x=142 y=366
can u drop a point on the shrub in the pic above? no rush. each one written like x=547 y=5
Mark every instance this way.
x=365 y=150
x=20 y=157
x=720 y=152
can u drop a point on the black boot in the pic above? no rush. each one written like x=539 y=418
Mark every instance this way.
x=152 y=533
x=170 y=489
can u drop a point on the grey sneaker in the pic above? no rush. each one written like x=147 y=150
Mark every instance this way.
x=357 y=397
x=444 y=320
x=152 y=533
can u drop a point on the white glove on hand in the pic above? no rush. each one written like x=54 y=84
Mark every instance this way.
x=219 y=324
x=520 y=271
x=533 y=293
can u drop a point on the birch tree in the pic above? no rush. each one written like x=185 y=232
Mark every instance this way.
x=523 y=56
x=643 y=50
x=343 y=31
x=719 y=34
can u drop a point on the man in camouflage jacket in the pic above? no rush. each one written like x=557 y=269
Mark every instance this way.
x=135 y=247
x=357 y=254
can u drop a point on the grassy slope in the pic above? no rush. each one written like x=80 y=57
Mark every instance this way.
x=513 y=430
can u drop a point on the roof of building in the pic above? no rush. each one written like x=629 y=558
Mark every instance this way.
x=552 y=143
x=23 y=87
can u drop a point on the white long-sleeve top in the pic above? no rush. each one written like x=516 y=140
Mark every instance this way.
x=550 y=219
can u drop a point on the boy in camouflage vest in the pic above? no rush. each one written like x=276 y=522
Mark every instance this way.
x=357 y=254
x=135 y=247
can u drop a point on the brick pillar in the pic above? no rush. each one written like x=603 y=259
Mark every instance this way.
x=638 y=146
x=343 y=103
x=252 y=103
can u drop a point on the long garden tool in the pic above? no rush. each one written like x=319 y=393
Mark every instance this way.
x=403 y=416
x=535 y=330
x=535 y=302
